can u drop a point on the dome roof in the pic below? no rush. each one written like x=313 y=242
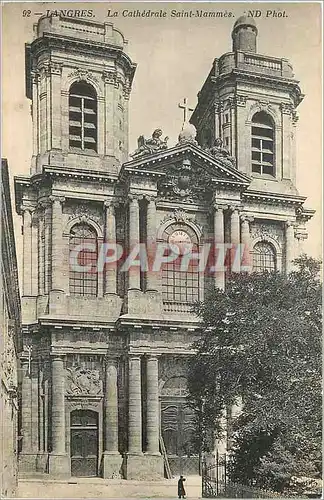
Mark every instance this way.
x=244 y=21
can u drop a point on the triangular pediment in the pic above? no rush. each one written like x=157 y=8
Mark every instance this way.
x=190 y=159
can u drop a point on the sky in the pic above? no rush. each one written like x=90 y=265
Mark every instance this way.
x=174 y=56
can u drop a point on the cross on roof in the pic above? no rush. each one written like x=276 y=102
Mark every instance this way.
x=186 y=109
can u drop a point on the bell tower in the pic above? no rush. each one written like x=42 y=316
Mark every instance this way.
x=79 y=77
x=249 y=101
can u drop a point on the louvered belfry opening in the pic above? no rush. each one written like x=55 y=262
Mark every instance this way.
x=263 y=144
x=83 y=117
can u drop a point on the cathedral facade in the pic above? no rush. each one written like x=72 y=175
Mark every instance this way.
x=106 y=347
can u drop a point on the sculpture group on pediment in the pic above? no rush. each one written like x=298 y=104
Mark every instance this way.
x=82 y=381
x=220 y=152
x=152 y=145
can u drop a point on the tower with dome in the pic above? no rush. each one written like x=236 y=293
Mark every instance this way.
x=106 y=349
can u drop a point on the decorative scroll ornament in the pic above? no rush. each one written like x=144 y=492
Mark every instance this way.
x=150 y=146
x=83 y=74
x=83 y=381
x=266 y=232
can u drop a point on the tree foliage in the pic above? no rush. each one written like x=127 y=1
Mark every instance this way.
x=262 y=343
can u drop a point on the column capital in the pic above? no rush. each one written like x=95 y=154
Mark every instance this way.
x=134 y=198
x=57 y=357
x=246 y=218
x=289 y=223
x=109 y=77
x=233 y=208
x=150 y=198
x=110 y=207
x=111 y=359
x=54 y=198
x=218 y=206
x=55 y=68
x=152 y=356
x=134 y=356
x=25 y=208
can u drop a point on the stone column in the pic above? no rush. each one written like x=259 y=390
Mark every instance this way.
x=151 y=276
x=43 y=98
x=58 y=409
x=47 y=245
x=152 y=413
x=41 y=251
x=34 y=255
x=27 y=251
x=218 y=241
x=112 y=459
x=134 y=280
x=25 y=407
x=35 y=112
x=58 y=463
x=246 y=242
x=56 y=243
x=289 y=245
x=111 y=407
x=110 y=237
x=235 y=239
x=134 y=406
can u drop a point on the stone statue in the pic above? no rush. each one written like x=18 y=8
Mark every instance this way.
x=187 y=135
x=219 y=151
x=150 y=146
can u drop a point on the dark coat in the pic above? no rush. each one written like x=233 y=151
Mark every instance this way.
x=181 y=490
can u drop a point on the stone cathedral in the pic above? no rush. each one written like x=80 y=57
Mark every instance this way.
x=103 y=387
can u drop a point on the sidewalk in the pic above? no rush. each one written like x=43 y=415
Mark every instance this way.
x=45 y=487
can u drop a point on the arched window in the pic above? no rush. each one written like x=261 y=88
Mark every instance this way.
x=83 y=260
x=83 y=117
x=264 y=257
x=180 y=283
x=263 y=161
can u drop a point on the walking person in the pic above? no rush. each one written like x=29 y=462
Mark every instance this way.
x=181 y=490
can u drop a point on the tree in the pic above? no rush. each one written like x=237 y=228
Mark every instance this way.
x=262 y=342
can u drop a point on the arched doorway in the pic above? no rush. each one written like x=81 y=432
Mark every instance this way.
x=177 y=427
x=84 y=443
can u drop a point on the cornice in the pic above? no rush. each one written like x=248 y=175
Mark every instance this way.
x=81 y=174
x=274 y=198
x=89 y=47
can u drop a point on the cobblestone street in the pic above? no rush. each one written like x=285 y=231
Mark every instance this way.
x=103 y=488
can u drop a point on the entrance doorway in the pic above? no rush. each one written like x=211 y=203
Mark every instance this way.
x=177 y=428
x=84 y=443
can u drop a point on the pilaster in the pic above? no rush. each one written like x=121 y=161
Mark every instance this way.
x=219 y=239
x=134 y=238
x=110 y=276
x=151 y=278
x=27 y=251
x=289 y=244
x=235 y=239
x=246 y=243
